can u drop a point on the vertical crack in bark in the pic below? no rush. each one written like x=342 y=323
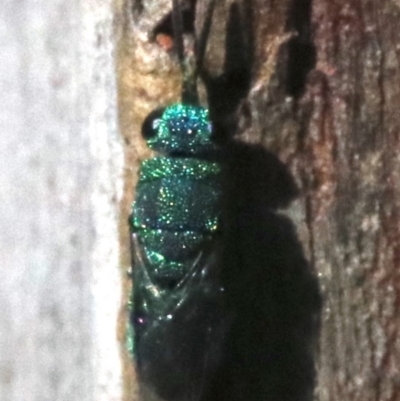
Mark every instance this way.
x=309 y=223
x=301 y=49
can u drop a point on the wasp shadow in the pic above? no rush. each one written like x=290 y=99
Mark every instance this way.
x=272 y=293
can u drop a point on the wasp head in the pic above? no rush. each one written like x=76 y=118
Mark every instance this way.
x=178 y=129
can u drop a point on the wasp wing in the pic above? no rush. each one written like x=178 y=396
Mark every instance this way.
x=178 y=331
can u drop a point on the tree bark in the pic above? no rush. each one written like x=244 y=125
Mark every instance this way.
x=316 y=83
x=353 y=196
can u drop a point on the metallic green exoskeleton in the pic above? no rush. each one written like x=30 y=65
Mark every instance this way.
x=177 y=319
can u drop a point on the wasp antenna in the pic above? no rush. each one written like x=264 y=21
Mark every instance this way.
x=178 y=31
x=186 y=59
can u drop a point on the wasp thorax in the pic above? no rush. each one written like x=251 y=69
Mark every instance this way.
x=179 y=128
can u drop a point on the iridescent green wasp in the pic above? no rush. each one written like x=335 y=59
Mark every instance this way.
x=177 y=319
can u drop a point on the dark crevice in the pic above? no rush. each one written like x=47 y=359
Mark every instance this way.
x=301 y=49
x=165 y=26
x=137 y=7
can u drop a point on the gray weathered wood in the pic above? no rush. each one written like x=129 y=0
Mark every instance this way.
x=60 y=180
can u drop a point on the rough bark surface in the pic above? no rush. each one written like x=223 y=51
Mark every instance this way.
x=317 y=84
x=353 y=145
